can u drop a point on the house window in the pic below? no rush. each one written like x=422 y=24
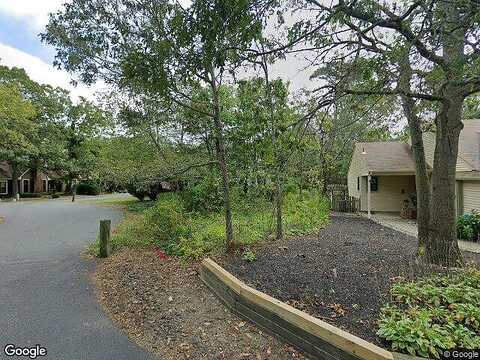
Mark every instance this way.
x=374 y=183
x=358 y=183
x=3 y=187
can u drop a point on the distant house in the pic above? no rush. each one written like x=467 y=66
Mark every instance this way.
x=390 y=170
x=27 y=183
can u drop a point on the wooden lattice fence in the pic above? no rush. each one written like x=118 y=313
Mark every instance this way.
x=346 y=203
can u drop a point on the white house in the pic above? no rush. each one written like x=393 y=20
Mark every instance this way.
x=389 y=169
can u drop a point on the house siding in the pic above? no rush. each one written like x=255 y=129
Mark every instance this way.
x=467 y=147
x=471 y=196
x=429 y=147
x=392 y=192
x=356 y=169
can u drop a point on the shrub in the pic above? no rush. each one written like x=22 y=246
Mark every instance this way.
x=253 y=224
x=143 y=188
x=153 y=191
x=207 y=236
x=135 y=190
x=306 y=213
x=166 y=225
x=193 y=235
x=88 y=188
x=434 y=314
x=468 y=226
x=203 y=196
x=30 y=195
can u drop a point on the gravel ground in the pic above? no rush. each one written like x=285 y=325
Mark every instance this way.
x=163 y=306
x=342 y=276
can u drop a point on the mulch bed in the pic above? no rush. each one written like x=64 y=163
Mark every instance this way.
x=163 y=306
x=342 y=276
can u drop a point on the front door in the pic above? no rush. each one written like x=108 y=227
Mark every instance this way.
x=26 y=184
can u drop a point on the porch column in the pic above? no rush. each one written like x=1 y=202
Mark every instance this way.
x=369 y=180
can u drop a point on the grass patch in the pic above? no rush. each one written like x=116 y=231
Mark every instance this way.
x=193 y=235
x=434 y=314
x=130 y=204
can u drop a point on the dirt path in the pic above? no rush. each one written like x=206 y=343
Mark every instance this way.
x=164 y=307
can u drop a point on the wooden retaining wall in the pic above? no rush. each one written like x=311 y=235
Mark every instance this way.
x=317 y=338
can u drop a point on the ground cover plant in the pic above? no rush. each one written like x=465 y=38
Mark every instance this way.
x=438 y=313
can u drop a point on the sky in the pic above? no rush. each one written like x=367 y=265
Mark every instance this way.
x=21 y=22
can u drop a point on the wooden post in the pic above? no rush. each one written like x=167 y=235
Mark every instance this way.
x=105 y=246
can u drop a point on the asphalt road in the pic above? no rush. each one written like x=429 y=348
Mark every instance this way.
x=46 y=296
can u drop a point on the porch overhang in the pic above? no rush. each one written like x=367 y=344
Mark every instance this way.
x=391 y=173
x=467 y=175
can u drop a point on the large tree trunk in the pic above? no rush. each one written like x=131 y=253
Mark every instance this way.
x=442 y=245
x=422 y=182
x=15 y=174
x=222 y=162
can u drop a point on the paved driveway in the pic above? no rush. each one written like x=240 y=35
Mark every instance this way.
x=409 y=227
x=46 y=296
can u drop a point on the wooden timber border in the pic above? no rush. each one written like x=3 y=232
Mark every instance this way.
x=317 y=338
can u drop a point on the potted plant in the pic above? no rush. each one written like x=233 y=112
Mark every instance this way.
x=409 y=209
x=413 y=205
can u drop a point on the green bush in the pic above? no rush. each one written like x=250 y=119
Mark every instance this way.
x=135 y=190
x=193 y=235
x=30 y=195
x=166 y=224
x=203 y=196
x=468 y=226
x=435 y=314
x=306 y=213
x=253 y=224
x=88 y=188
x=207 y=236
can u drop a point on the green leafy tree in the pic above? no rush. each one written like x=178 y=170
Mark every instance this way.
x=159 y=48
x=83 y=127
x=50 y=106
x=264 y=135
x=19 y=132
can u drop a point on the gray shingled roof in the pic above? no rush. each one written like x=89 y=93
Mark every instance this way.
x=395 y=156
x=386 y=156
